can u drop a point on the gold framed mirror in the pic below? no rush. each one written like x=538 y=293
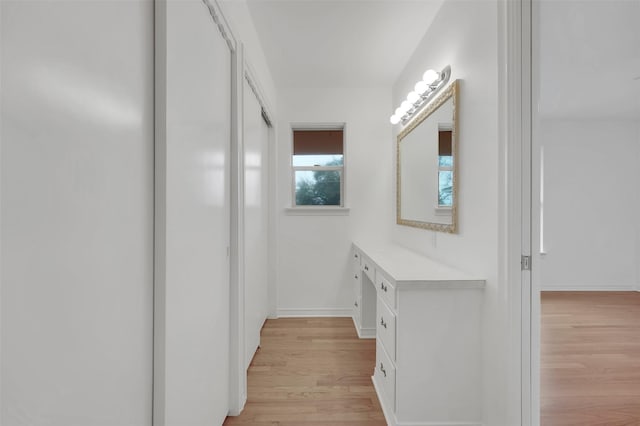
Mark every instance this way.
x=427 y=166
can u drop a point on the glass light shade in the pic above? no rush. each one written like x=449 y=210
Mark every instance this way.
x=421 y=87
x=395 y=119
x=406 y=106
x=413 y=97
x=430 y=76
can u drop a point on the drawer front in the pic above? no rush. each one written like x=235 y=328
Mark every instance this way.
x=357 y=310
x=368 y=269
x=357 y=283
x=355 y=259
x=386 y=328
x=386 y=376
x=386 y=290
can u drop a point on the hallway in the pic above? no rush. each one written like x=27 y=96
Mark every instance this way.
x=311 y=372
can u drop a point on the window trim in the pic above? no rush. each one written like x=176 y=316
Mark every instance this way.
x=318 y=209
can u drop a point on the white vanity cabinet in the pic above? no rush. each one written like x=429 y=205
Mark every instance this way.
x=428 y=321
x=364 y=310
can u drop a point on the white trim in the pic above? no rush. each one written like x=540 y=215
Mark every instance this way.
x=319 y=126
x=364 y=332
x=343 y=169
x=221 y=22
x=159 y=398
x=511 y=214
x=256 y=88
x=317 y=211
x=439 y=424
x=586 y=287
x=237 y=372
x=315 y=312
x=237 y=409
x=1 y=258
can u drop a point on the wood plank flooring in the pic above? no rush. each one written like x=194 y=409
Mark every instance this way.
x=311 y=372
x=590 y=359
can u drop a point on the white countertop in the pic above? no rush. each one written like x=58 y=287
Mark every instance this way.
x=410 y=269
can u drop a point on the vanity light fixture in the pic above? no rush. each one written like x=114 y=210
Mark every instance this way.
x=424 y=90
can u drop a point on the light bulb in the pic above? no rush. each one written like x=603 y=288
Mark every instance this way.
x=406 y=106
x=430 y=76
x=395 y=119
x=421 y=87
x=399 y=112
x=413 y=97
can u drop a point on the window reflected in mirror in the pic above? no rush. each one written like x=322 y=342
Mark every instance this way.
x=427 y=166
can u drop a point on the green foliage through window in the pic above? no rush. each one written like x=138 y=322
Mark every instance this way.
x=319 y=187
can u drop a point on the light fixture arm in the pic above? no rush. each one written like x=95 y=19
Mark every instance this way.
x=412 y=105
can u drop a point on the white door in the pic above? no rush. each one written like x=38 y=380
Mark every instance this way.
x=76 y=212
x=256 y=187
x=192 y=217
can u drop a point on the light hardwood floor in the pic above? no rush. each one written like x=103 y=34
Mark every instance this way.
x=311 y=372
x=590 y=359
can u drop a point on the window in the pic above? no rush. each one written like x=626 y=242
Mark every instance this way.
x=445 y=168
x=318 y=167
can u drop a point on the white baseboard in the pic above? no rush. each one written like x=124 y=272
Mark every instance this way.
x=439 y=424
x=363 y=333
x=236 y=411
x=600 y=287
x=366 y=333
x=315 y=312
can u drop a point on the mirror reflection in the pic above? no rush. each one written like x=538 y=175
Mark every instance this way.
x=426 y=196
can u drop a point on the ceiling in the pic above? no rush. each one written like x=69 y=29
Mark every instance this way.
x=340 y=43
x=588 y=51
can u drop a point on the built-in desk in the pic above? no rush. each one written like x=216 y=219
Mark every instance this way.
x=427 y=320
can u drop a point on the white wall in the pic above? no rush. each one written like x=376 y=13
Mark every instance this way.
x=193 y=82
x=239 y=18
x=313 y=251
x=464 y=35
x=590 y=205
x=77 y=213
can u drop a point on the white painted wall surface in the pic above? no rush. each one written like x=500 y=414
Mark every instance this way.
x=192 y=218
x=464 y=35
x=256 y=209
x=238 y=16
x=77 y=212
x=314 y=263
x=590 y=204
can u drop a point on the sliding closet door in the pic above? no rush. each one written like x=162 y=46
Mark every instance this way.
x=192 y=222
x=256 y=163
x=76 y=212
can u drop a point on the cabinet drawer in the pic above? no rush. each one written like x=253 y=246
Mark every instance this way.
x=386 y=328
x=355 y=259
x=386 y=377
x=357 y=283
x=386 y=290
x=368 y=269
x=357 y=310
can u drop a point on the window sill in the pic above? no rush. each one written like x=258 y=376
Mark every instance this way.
x=317 y=211
x=443 y=211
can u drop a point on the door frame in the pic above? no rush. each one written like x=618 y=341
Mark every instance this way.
x=516 y=202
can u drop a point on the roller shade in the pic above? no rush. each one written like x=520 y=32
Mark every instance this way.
x=444 y=143
x=317 y=142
